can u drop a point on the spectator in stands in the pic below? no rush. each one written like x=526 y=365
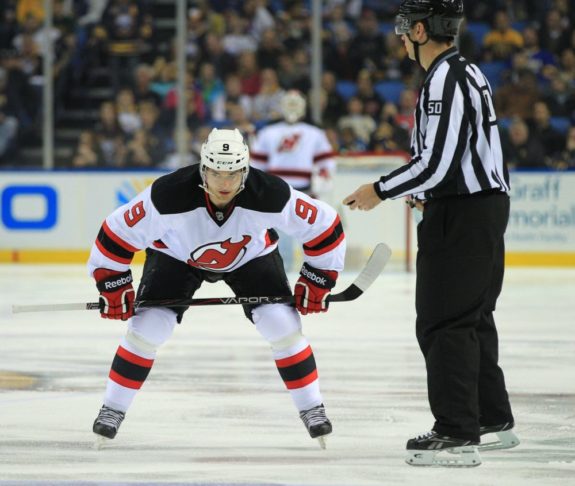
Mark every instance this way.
x=540 y=61
x=210 y=86
x=195 y=109
x=259 y=17
x=142 y=85
x=517 y=10
x=22 y=99
x=338 y=56
x=27 y=8
x=400 y=136
x=406 y=109
x=63 y=18
x=8 y=26
x=33 y=31
x=110 y=137
x=232 y=96
x=296 y=25
x=555 y=32
x=237 y=39
x=349 y=142
x=238 y=119
x=372 y=103
x=31 y=60
x=153 y=127
x=249 y=73
x=567 y=63
x=197 y=29
x=64 y=71
x=267 y=103
x=540 y=127
x=566 y=159
x=560 y=96
x=301 y=71
x=517 y=96
x=333 y=107
x=127 y=111
x=362 y=125
x=269 y=50
x=520 y=150
x=293 y=70
x=224 y=63
x=125 y=34
x=388 y=137
x=166 y=73
x=8 y=122
x=368 y=44
x=148 y=146
x=87 y=153
x=334 y=17
x=502 y=41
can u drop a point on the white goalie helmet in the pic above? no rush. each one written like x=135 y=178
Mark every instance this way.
x=225 y=150
x=293 y=106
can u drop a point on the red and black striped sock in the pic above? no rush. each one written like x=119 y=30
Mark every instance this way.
x=298 y=370
x=129 y=369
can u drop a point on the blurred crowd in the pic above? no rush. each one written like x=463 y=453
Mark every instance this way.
x=242 y=56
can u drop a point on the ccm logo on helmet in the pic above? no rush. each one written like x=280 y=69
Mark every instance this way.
x=313 y=277
x=118 y=283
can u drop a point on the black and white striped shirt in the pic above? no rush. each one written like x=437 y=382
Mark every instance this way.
x=455 y=145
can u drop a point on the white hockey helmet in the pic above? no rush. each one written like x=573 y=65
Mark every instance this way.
x=293 y=106
x=225 y=150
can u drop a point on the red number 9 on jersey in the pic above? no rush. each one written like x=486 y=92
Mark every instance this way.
x=306 y=210
x=134 y=214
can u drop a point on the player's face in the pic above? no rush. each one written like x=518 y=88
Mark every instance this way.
x=223 y=185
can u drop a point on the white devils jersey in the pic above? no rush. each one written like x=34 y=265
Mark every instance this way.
x=293 y=152
x=174 y=216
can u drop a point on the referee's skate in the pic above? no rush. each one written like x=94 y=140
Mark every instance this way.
x=432 y=449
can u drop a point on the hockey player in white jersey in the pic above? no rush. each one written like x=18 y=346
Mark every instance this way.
x=297 y=152
x=206 y=223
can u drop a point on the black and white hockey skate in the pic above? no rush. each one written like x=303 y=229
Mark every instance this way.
x=107 y=424
x=505 y=437
x=316 y=423
x=432 y=449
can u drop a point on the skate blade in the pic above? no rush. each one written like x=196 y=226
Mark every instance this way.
x=505 y=440
x=322 y=441
x=100 y=442
x=455 y=457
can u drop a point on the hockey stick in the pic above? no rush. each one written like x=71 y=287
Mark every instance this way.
x=370 y=272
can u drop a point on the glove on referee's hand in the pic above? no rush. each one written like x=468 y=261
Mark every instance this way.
x=116 y=293
x=312 y=289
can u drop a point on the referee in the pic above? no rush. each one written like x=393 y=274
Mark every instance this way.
x=457 y=177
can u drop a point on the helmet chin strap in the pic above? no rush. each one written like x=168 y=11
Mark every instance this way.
x=416 y=46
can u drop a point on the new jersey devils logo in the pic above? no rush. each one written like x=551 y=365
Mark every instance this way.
x=219 y=256
x=289 y=143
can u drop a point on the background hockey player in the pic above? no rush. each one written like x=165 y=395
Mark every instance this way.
x=458 y=176
x=296 y=151
x=206 y=223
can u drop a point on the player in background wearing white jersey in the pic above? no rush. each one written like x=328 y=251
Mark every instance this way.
x=296 y=151
x=209 y=222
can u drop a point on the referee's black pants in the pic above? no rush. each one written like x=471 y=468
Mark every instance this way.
x=460 y=265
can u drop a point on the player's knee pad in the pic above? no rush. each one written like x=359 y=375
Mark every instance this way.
x=150 y=328
x=279 y=324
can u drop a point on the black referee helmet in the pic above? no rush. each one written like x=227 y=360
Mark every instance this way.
x=442 y=17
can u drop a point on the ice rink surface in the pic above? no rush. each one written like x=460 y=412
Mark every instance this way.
x=214 y=410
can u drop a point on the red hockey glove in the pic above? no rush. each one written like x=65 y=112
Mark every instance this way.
x=116 y=293
x=312 y=288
